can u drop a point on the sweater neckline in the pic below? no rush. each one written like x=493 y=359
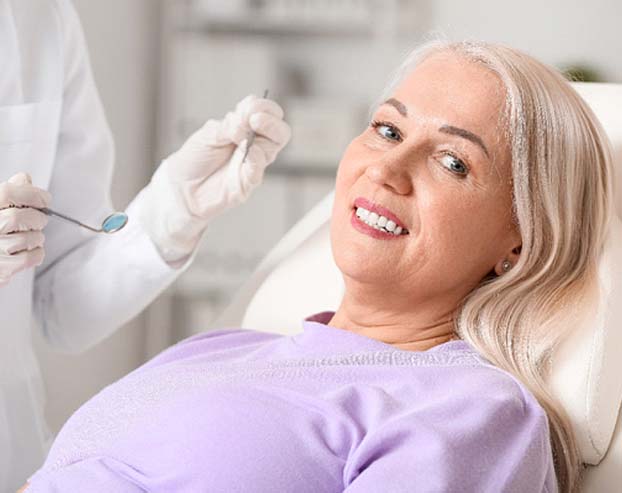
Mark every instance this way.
x=317 y=333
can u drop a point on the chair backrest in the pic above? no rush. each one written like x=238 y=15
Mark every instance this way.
x=299 y=277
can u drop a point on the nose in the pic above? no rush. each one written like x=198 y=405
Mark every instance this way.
x=390 y=175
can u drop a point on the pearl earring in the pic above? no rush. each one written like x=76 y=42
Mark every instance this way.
x=506 y=265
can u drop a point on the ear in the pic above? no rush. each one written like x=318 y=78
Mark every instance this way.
x=513 y=256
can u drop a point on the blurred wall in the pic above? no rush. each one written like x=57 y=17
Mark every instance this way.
x=557 y=32
x=122 y=38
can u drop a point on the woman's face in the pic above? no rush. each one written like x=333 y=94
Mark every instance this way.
x=434 y=156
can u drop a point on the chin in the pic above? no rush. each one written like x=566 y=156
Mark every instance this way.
x=362 y=268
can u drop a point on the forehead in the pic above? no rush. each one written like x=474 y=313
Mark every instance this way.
x=452 y=90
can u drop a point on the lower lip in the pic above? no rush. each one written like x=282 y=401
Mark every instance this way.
x=373 y=232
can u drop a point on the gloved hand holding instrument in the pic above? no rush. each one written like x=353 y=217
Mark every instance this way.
x=23 y=211
x=21 y=225
x=215 y=169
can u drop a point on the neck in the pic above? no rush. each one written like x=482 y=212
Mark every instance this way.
x=411 y=330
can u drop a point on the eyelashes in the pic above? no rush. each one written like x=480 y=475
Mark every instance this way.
x=378 y=123
x=397 y=137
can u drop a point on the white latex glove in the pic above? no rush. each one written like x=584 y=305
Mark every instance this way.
x=21 y=236
x=208 y=175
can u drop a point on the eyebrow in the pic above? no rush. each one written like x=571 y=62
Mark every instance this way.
x=447 y=129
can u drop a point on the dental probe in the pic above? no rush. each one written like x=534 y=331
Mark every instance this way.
x=251 y=135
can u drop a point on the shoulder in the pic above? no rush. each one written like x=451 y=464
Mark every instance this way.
x=496 y=403
x=474 y=426
x=494 y=412
x=508 y=388
x=481 y=392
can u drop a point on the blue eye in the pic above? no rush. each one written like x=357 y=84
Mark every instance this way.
x=456 y=165
x=387 y=131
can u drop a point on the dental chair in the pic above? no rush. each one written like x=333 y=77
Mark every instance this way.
x=298 y=278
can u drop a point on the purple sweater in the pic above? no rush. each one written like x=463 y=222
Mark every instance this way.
x=326 y=410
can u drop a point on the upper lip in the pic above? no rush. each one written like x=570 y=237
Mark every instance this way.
x=378 y=209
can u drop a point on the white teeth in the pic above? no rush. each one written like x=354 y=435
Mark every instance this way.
x=362 y=213
x=378 y=222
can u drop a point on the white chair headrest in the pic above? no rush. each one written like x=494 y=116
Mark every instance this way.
x=587 y=366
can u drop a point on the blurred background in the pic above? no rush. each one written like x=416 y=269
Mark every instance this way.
x=165 y=66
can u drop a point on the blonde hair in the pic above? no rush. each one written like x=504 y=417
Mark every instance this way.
x=562 y=183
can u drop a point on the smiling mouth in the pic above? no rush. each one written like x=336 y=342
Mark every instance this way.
x=379 y=222
x=372 y=213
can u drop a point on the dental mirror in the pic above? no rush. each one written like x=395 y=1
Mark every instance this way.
x=113 y=223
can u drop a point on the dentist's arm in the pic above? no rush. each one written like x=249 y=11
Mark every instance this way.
x=89 y=285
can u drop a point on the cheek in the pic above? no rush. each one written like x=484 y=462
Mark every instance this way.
x=452 y=226
x=474 y=232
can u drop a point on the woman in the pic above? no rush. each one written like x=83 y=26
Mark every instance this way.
x=467 y=216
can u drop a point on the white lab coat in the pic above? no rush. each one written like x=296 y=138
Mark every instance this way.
x=52 y=126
